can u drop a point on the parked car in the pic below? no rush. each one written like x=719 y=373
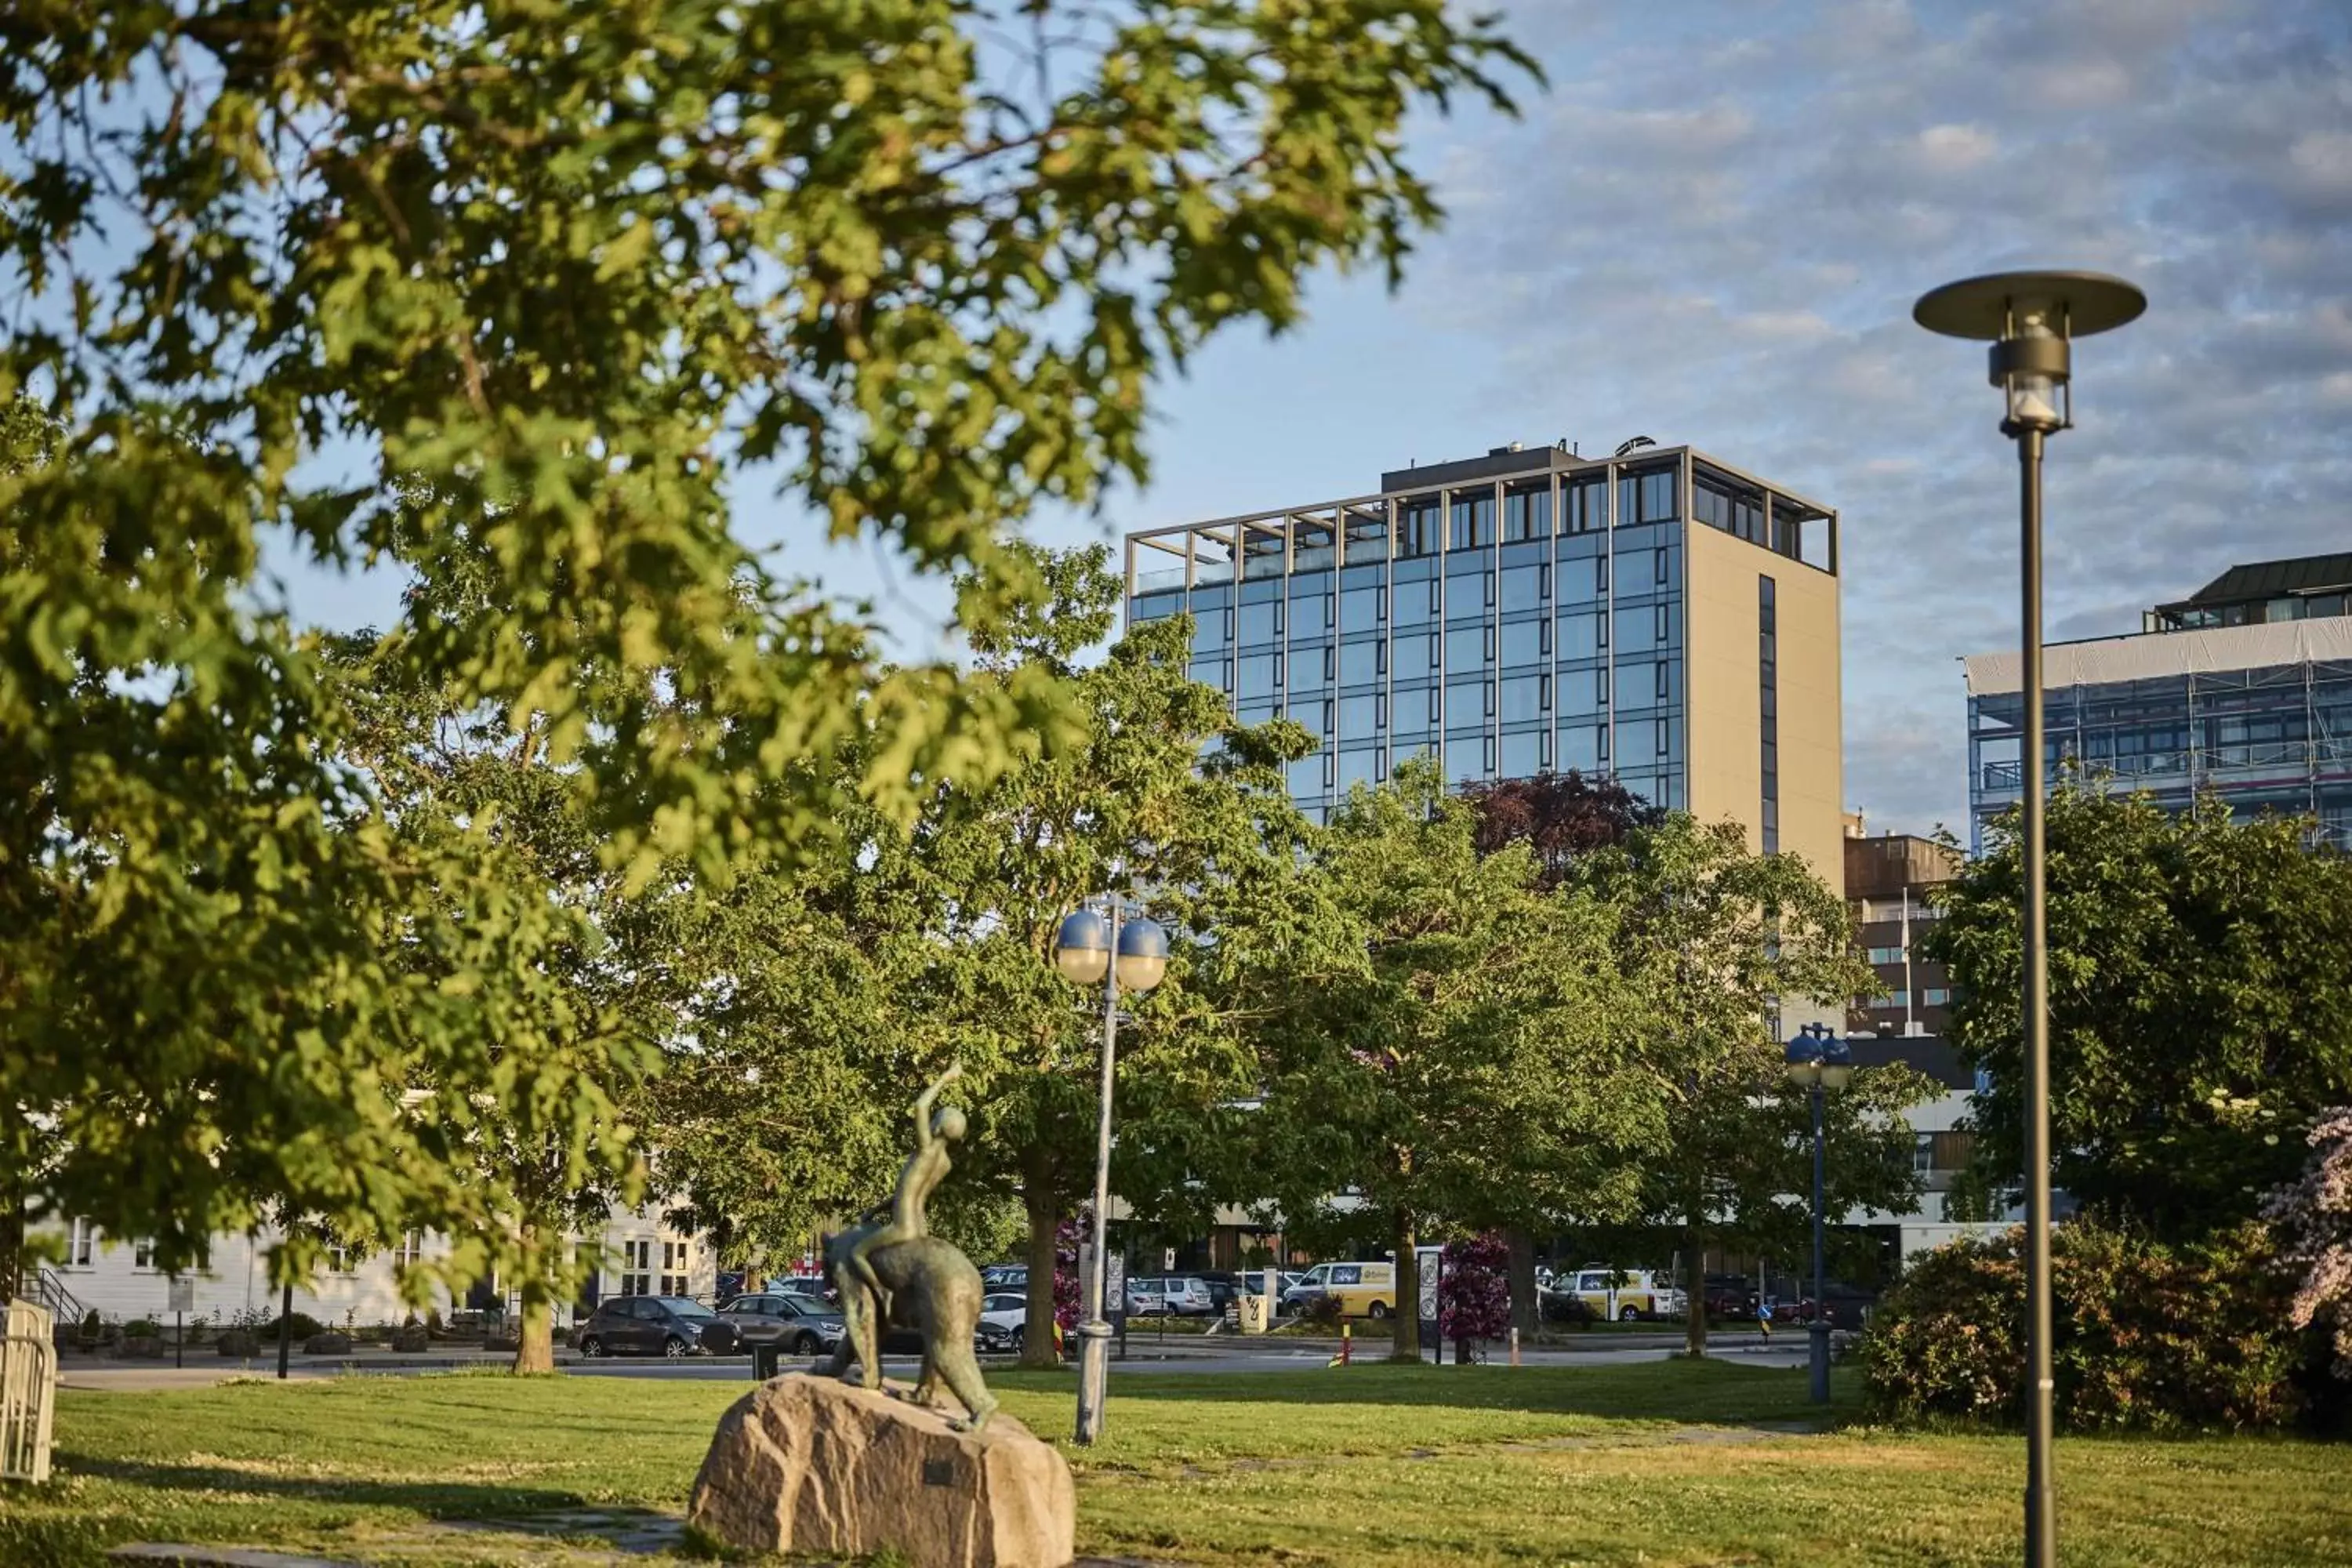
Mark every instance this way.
x=813 y=1287
x=652 y=1325
x=1729 y=1296
x=1174 y=1295
x=801 y=1325
x=1628 y=1295
x=1003 y=1320
x=1847 y=1304
x=1224 y=1286
x=1565 y=1307
x=1004 y=1277
x=1253 y=1283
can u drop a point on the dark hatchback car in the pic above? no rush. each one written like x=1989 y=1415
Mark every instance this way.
x=651 y=1325
x=801 y=1324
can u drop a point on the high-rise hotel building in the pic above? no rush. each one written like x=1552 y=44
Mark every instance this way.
x=1658 y=615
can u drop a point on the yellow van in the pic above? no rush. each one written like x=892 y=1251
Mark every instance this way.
x=1362 y=1290
x=1626 y=1295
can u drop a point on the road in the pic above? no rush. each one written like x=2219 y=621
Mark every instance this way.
x=1178 y=1356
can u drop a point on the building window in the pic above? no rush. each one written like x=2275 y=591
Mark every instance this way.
x=81 y=1243
x=1892 y=999
x=1936 y=996
x=1526 y=513
x=1647 y=496
x=1923 y=1153
x=1587 y=505
x=1474 y=521
x=1417 y=525
x=339 y=1258
x=142 y=1255
x=1767 y=687
x=411 y=1248
x=1885 y=955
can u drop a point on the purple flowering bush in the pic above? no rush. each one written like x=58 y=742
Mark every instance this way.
x=1473 y=1289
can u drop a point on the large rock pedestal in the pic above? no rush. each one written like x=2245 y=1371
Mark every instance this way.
x=809 y=1464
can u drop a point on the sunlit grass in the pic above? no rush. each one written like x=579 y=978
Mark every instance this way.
x=1658 y=1463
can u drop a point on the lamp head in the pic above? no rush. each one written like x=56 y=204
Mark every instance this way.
x=1837 y=1064
x=2031 y=319
x=1082 y=948
x=1804 y=1058
x=1142 y=955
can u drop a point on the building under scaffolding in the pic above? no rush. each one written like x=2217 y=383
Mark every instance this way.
x=2244 y=690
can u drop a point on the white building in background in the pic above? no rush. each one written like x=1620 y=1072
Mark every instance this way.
x=117 y=1278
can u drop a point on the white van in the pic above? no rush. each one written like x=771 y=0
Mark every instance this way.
x=1624 y=1295
x=1362 y=1290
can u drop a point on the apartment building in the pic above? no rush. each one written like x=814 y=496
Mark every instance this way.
x=1658 y=615
x=1889 y=881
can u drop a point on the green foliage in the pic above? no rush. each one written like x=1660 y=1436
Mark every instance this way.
x=2148 y=1336
x=1455 y=1048
x=304 y=1327
x=1714 y=938
x=518 y=310
x=2201 y=1009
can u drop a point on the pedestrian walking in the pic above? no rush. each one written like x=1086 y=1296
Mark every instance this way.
x=1764 y=1315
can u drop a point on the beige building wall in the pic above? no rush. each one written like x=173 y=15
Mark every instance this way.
x=1725 y=711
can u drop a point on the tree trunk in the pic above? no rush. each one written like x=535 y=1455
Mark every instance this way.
x=1045 y=1219
x=535 y=1336
x=1695 y=1286
x=1407 y=1345
x=535 y=1343
x=1525 y=1315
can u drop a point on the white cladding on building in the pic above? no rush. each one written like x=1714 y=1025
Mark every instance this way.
x=115 y=1276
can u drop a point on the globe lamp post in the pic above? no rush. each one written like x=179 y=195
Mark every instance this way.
x=1083 y=952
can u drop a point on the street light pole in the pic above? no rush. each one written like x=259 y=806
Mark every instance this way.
x=2032 y=319
x=1094 y=1334
x=1817 y=1061
x=1133 y=954
x=1817 y=1332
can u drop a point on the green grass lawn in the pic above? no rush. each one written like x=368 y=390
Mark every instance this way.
x=1656 y=1464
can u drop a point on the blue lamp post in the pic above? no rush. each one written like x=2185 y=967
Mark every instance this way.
x=1082 y=952
x=1818 y=1061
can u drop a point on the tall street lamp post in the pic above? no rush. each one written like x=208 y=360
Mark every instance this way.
x=1818 y=1060
x=2031 y=319
x=1083 y=951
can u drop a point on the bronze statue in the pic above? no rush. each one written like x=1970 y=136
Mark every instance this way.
x=891 y=1269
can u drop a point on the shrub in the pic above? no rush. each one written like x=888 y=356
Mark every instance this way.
x=1473 y=1289
x=305 y=1326
x=1322 y=1311
x=141 y=1329
x=2146 y=1336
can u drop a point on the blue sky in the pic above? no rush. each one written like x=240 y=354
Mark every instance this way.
x=1711 y=227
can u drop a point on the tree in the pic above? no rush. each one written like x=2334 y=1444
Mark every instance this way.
x=1209 y=844
x=2201 y=1010
x=1475 y=1062
x=1559 y=818
x=1715 y=937
x=565 y=1027
x=441 y=284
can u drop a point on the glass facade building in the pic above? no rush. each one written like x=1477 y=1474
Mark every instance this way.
x=1524 y=612
x=2243 y=689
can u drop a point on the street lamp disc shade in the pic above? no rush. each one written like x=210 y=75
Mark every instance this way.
x=1987 y=308
x=1142 y=955
x=1082 y=948
x=1804 y=1059
x=1837 y=1064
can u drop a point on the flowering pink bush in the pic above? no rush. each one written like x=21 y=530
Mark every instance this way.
x=2313 y=1218
x=1068 y=1236
x=1473 y=1289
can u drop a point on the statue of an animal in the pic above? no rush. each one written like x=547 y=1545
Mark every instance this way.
x=934 y=1290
